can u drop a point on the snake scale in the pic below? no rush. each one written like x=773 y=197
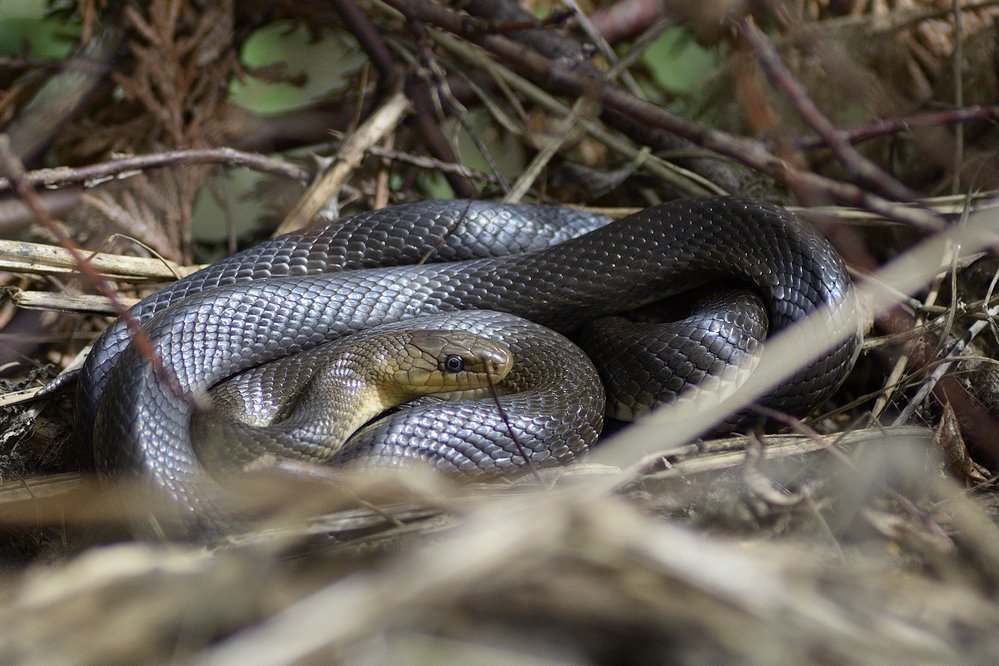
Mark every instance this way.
x=296 y=292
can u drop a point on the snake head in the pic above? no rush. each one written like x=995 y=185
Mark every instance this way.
x=445 y=361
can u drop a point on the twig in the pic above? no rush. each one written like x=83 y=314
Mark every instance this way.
x=571 y=55
x=901 y=363
x=956 y=62
x=350 y=155
x=953 y=350
x=626 y=18
x=15 y=174
x=883 y=126
x=730 y=452
x=418 y=91
x=63 y=95
x=381 y=197
x=437 y=82
x=528 y=462
x=424 y=162
x=550 y=149
x=126 y=167
x=368 y=37
x=40 y=259
x=638 y=47
x=79 y=304
x=781 y=76
x=601 y=43
x=750 y=152
x=978 y=424
x=683 y=179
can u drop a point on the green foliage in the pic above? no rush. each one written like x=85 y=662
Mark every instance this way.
x=677 y=63
x=27 y=29
x=318 y=67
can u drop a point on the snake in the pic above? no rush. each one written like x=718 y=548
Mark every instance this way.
x=552 y=395
x=294 y=293
x=339 y=387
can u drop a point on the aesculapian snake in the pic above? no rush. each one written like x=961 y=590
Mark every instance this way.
x=279 y=298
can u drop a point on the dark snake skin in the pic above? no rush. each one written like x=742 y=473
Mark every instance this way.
x=425 y=231
x=465 y=436
x=277 y=299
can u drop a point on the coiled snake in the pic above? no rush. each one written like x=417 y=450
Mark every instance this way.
x=296 y=292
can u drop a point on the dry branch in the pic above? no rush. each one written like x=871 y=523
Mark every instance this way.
x=38 y=259
x=78 y=304
x=126 y=167
x=354 y=148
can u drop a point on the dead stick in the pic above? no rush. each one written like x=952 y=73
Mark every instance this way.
x=352 y=151
x=751 y=152
x=15 y=173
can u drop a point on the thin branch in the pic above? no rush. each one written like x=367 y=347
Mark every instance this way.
x=627 y=18
x=25 y=190
x=571 y=55
x=63 y=95
x=956 y=62
x=883 y=126
x=369 y=38
x=781 y=76
x=979 y=425
x=616 y=70
x=424 y=162
x=39 y=259
x=684 y=180
x=78 y=304
x=437 y=82
x=353 y=149
x=565 y=129
x=752 y=153
x=126 y=167
x=418 y=91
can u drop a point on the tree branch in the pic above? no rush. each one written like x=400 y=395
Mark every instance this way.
x=755 y=154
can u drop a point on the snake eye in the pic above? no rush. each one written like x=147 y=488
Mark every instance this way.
x=454 y=363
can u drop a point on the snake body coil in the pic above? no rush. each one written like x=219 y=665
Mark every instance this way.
x=277 y=300
x=321 y=397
